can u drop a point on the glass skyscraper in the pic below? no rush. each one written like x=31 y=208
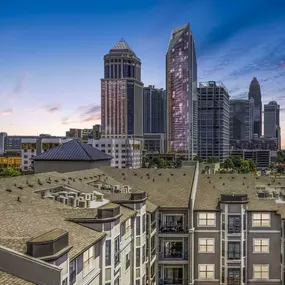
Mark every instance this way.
x=272 y=121
x=214 y=120
x=122 y=92
x=155 y=109
x=255 y=94
x=181 y=87
x=241 y=119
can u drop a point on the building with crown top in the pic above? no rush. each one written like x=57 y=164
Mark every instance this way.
x=122 y=93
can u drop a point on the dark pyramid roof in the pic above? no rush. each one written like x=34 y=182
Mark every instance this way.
x=120 y=46
x=73 y=150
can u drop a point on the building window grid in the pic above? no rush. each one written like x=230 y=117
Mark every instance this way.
x=88 y=260
x=260 y=271
x=234 y=250
x=206 y=271
x=260 y=245
x=206 y=219
x=261 y=220
x=206 y=245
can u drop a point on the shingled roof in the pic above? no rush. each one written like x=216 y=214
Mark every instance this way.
x=73 y=150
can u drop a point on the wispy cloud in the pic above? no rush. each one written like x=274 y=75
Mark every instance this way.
x=18 y=88
x=6 y=112
x=47 y=108
x=83 y=114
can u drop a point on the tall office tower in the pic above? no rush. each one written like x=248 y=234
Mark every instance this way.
x=181 y=87
x=241 y=119
x=272 y=121
x=213 y=120
x=2 y=142
x=154 y=110
x=255 y=94
x=122 y=93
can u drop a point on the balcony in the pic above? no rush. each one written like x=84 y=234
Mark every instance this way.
x=172 y=281
x=172 y=228
x=173 y=255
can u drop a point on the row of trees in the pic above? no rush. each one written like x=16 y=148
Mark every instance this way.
x=236 y=163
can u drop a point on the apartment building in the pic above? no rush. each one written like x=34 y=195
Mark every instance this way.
x=147 y=226
x=126 y=152
x=31 y=147
x=69 y=233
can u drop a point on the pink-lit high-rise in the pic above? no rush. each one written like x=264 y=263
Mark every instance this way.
x=181 y=85
x=122 y=93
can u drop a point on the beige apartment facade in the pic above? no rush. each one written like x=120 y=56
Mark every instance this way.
x=142 y=226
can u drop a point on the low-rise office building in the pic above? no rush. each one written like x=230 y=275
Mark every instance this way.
x=126 y=152
x=31 y=147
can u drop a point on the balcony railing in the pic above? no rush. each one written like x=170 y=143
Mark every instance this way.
x=172 y=281
x=172 y=228
x=174 y=255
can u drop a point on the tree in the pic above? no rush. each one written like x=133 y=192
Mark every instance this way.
x=244 y=168
x=252 y=165
x=197 y=158
x=9 y=172
x=237 y=160
x=159 y=162
x=178 y=162
x=228 y=164
x=213 y=159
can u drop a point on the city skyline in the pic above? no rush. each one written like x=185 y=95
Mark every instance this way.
x=52 y=56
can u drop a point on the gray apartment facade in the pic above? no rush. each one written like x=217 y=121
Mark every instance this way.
x=241 y=119
x=213 y=120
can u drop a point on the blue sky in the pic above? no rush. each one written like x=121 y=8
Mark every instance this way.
x=51 y=53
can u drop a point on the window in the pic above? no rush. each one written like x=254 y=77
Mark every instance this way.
x=128 y=227
x=138 y=257
x=123 y=229
x=206 y=271
x=206 y=245
x=143 y=254
x=206 y=219
x=260 y=245
x=138 y=224
x=143 y=223
x=117 y=251
x=234 y=276
x=88 y=260
x=261 y=220
x=260 y=271
x=108 y=253
x=233 y=250
x=234 y=224
x=128 y=260
x=72 y=271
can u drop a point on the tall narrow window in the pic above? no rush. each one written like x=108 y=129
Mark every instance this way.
x=88 y=260
x=138 y=226
x=108 y=253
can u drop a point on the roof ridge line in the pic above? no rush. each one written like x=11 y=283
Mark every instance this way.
x=80 y=144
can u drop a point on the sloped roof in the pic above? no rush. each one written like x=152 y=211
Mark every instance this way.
x=8 y=279
x=121 y=45
x=73 y=150
x=176 y=34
